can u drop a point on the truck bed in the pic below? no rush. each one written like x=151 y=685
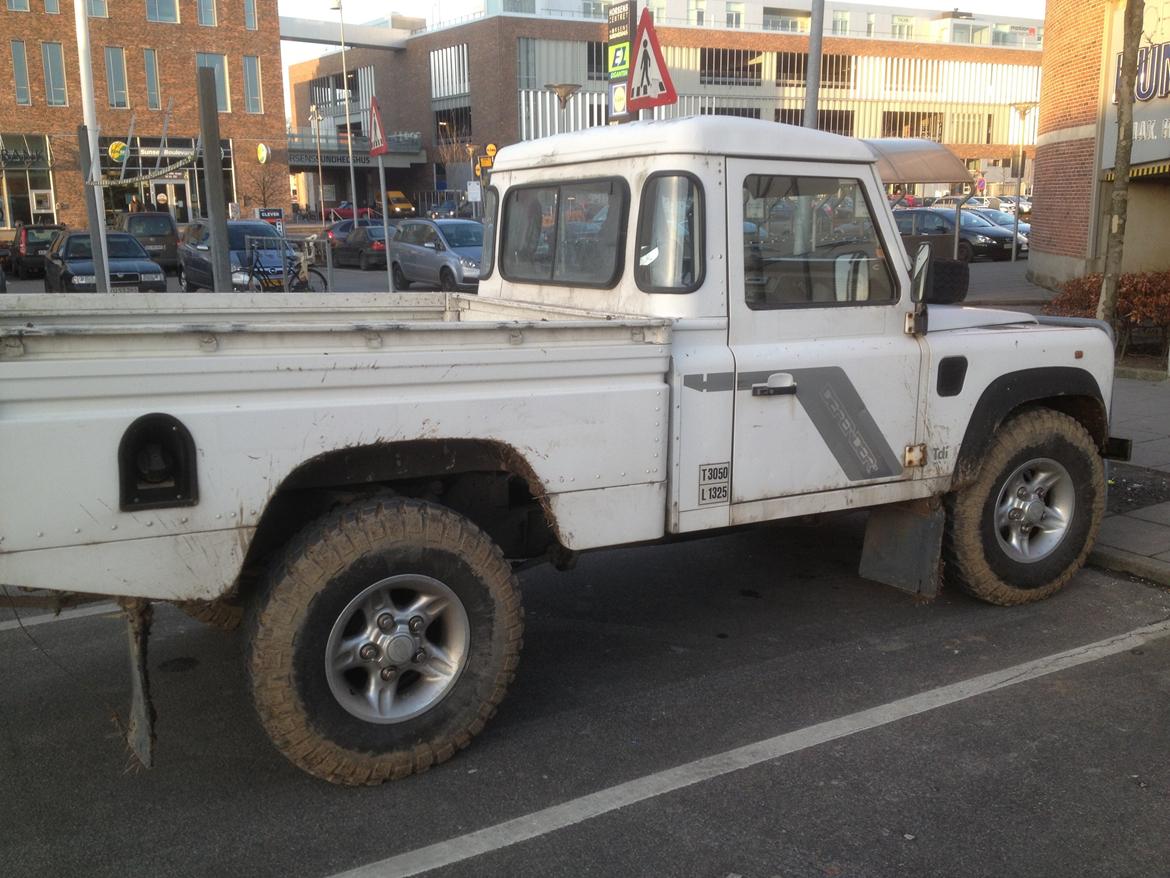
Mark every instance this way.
x=268 y=383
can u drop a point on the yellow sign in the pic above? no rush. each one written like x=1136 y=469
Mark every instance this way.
x=262 y=153
x=117 y=151
x=478 y=170
x=490 y=149
x=485 y=161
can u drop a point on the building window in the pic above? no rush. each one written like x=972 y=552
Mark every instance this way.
x=840 y=24
x=794 y=21
x=20 y=73
x=162 y=10
x=97 y=9
x=453 y=126
x=116 y=77
x=870 y=24
x=792 y=70
x=836 y=71
x=253 y=103
x=53 y=59
x=902 y=27
x=910 y=123
x=595 y=61
x=697 y=12
x=526 y=63
x=218 y=63
x=836 y=121
x=53 y=7
x=250 y=14
x=734 y=14
x=739 y=112
x=730 y=67
x=18 y=5
x=594 y=9
x=450 y=75
x=153 y=97
x=207 y=13
x=521 y=7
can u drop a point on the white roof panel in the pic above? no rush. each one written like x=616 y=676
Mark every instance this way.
x=704 y=135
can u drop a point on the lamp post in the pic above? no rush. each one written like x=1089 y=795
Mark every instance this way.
x=1023 y=110
x=564 y=92
x=315 y=117
x=336 y=4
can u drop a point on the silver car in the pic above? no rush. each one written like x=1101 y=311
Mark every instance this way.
x=443 y=253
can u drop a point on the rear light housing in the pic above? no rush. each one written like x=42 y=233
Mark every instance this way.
x=379 y=245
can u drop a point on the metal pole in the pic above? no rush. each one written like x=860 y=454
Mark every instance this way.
x=316 y=119
x=92 y=172
x=813 y=74
x=221 y=271
x=385 y=218
x=93 y=209
x=1019 y=190
x=329 y=265
x=348 y=132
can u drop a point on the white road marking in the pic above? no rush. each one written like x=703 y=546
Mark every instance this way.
x=63 y=616
x=570 y=813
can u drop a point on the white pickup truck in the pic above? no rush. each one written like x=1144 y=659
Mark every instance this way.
x=681 y=326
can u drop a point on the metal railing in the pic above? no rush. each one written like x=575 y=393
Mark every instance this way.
x=396 y=141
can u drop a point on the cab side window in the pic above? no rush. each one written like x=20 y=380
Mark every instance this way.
x=811 y=242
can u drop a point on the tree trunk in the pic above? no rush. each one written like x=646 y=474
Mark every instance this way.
x=1134 y=13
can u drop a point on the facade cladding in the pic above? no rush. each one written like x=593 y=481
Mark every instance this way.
x=144 y=56
x=1077 y=140
x=949 y=77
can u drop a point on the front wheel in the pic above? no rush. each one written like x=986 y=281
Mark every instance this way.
x=966 y=252
x=1025 y=525
x=401 y=284
x=447 y=281
x=185 y=285
x=383 y=641
x=314 y=282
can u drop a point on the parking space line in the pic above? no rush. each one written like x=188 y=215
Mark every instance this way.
x=63 y=616
x=567 y=814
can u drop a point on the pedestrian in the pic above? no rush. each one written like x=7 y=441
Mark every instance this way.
x=980 y=184
x=135 y=207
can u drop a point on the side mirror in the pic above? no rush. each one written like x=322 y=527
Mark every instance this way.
x=202 y=247
x=920 y=273
x=432 y=245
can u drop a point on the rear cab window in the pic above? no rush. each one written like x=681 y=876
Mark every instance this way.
x=569 y=233
x=671 y=235
x=149 y=225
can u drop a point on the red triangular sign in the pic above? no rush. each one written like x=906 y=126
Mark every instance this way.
x=649 y=84
x=377 y=130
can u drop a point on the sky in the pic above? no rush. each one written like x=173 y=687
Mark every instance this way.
x=293 y=53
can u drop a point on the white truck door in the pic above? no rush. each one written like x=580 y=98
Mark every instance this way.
x=827 y=382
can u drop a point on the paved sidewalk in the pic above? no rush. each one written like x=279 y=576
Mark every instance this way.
x=1138 y=541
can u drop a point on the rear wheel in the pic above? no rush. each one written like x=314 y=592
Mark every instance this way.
x=383 y=641
x=400 y=282
x=314 y=282
x=447 y=281
x=966 y=252
x=1025 y=525
x=363 y=261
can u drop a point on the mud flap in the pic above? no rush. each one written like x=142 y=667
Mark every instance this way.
x=903 y=546
x=139 y=729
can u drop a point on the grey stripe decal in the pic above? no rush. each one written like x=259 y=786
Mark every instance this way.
x=836 y=409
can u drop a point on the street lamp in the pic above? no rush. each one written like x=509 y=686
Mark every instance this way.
x=1023 y=110
x=336 y=4
x=564 y=92
x=315 y=117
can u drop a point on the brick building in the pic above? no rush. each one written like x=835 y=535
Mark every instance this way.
x=1077 y=138
x=144 y=59
x=943 y=76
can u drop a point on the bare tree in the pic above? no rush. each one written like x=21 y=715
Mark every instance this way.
x=1134 y=15
x=265 y=185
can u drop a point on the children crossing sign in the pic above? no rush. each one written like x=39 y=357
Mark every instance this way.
x=649 y=83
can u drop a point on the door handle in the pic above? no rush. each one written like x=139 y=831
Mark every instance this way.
x=778 y=384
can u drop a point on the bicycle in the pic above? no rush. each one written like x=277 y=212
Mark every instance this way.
x=295 y=276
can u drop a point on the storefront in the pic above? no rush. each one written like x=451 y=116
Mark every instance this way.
x=26 y=180
x=162 y=177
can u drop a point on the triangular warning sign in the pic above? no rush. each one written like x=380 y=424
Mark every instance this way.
x=377 y=130
x=649 y=83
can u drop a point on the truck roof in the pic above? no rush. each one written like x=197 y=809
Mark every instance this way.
x=707 y=135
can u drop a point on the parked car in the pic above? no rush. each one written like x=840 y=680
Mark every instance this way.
x=156 y=232
x=7 y=245
x=952 y=201
x=3 y=281
x=1008 y=204
x=977 y=236
x=398 y=204
x=337 y=232
x=32 y=243
x=345 y=211
x=195 y=271
x=444 y=252
x=364 y=246
x=69 y=266
x=448 y=208
x=1003 y=219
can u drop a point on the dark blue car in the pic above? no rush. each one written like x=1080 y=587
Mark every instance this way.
x=195 y=255
x=69 y=265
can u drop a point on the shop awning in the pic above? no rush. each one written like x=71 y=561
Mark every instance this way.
x=1151 y=169
x=907 y=160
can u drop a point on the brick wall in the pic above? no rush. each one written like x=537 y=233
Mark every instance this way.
x=176 y=46
x=1066 y=173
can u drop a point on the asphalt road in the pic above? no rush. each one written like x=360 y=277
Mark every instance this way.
x=888 y=737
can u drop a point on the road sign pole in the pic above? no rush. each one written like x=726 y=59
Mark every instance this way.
x=93 y=208
x=221 y=271
x=385 y=220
